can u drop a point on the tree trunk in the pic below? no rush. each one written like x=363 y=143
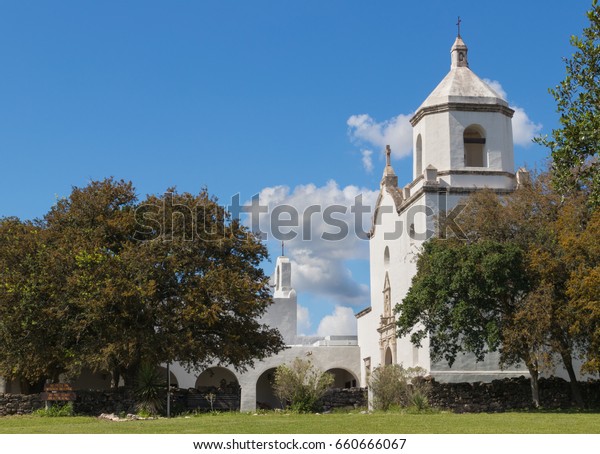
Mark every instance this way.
x=575 y=390
x=116 y=378
x=535 y=389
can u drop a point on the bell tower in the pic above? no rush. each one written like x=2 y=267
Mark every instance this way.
x=464 y=129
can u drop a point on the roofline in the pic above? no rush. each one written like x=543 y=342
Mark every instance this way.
x=365 y=311
x=461 y=107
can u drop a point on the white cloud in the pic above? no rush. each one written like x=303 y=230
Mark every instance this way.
x=367 y=160
x=327 y=277
x=303 y=320
x=497 y=87
x=319 y=253
x=395 y=132
x=341 y=322
x=524 y=130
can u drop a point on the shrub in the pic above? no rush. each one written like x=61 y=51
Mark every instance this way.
x=55 y=410
x=300 y=385
x=392 y=385
x=149 y=389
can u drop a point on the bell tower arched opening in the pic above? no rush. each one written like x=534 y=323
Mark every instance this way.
x=474 y=142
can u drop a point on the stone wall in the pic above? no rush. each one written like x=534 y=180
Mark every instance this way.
x=348 y=398
x=19 y=404
x=91 y=403
x=496 y=396
x=95 y=403
x=509 y=394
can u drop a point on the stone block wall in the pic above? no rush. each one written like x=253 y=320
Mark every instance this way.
x=509 y=394
x=344 y=398
x=496 y=396
x=19 y=404
x=95 y=403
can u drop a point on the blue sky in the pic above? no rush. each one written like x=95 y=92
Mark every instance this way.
x=289 y=99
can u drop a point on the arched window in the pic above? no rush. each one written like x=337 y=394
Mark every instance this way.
x=419 y=157
x=474 y=140
x=386 y=257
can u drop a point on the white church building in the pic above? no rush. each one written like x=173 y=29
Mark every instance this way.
x=462 y=142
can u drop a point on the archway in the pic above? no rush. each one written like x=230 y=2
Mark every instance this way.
x=388 y=356
x=218 y=378
x=265 y=394
x=343 y=378
x=219 y=385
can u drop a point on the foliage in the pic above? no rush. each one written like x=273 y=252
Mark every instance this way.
x=574 y=145
x=556 y=235
x=392 y=385
x=56 y=410
x=578 y=231
x=33 y=345
x=106 y=282
x=300 y=385
x=458 y=294
x=149 y=390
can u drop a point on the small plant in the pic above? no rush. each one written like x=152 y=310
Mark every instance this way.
x=394 y=386
x=388 y=385
x=211 y=397
x=301 y=385
x=149 y=390
x=56 y=410
x=418 y=399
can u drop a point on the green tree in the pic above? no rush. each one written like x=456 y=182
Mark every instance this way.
x=578 y=230
x=31 y=315
x=464 y=296
x=534 y=217
x=108 y=283
x=574 y=145
x=210 y=288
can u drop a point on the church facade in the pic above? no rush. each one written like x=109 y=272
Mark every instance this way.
x=462 y=142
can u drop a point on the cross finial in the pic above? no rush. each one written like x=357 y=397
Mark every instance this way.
x=458 y=25
x=282 y=249
x=388 y=154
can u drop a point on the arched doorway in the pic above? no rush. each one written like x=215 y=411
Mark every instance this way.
x=343 y=378
x=218 y=389
x=388 y=356
x=265 y=394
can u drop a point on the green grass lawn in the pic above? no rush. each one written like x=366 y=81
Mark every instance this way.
x=376 y=423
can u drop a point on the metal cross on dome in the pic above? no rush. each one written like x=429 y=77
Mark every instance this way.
x=458 y=25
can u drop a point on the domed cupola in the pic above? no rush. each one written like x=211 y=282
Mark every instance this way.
x=463 y=124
